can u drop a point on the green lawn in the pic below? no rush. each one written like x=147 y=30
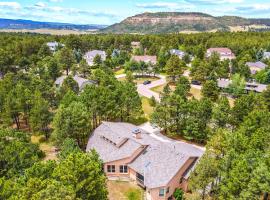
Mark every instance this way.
x=120 y=190
x=140 y=80
x=196 y=93
x=158 y=89
x=121 y=71
x=147 y=108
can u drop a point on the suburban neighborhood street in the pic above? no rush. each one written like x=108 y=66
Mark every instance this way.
x=145 y=90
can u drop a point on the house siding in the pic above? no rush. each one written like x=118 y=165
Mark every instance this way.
x=173 y=184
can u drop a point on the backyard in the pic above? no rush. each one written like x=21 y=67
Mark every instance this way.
x=122 y=190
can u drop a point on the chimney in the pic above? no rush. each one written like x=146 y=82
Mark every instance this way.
x=137 y=134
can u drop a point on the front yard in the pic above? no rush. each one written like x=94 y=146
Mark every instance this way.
x=122 y=190
x=194 y=92
x=147 y=108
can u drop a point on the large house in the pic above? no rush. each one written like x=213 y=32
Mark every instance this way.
x=256 y=66
x=178 y=53
x=90 y=55
x=224 y=53
x=156 y=163
x=82 y=82
x=250 y=86
x=146 y=59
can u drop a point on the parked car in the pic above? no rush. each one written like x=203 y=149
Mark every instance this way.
x=194 y=82
x=147 y=82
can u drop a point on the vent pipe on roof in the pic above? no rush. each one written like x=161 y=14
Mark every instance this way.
x=137 y=134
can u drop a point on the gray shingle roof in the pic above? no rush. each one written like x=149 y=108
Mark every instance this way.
x=177 y=52
x=257 y=87
x=82 y=82
x=158 y=164
x=258 y=64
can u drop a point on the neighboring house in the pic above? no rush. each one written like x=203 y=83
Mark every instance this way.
x=90 y=55
x=82 y=82
x=178 y=53
x=224 y=53
x=256 y=66
x=158 y=164
x=54 y=46
x=250 y=86
x=135 y=45
x=146 y=59
x=266 y=55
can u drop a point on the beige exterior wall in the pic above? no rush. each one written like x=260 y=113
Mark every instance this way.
x=124 y=161
x=151 y=194
x=254 y=69
x=173 y=184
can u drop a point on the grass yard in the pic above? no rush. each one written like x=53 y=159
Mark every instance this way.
x=46 y=147
x=120 y=190
x=193 y=91
x=121 y=71
x=158 y=89
x=140 y=80
x=147 y=108
x=196 y=93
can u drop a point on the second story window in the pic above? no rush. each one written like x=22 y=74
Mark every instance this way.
x=111 y=168
x=161 y=192
x=123 y=169
x=168 y=190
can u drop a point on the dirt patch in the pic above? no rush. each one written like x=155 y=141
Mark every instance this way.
x=46 y=147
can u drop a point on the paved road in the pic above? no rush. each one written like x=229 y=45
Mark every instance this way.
x=145 y=90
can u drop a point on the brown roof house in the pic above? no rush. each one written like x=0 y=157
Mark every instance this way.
x=146 y=59
x=224 y=53
x=156 y=163
x=256 y=66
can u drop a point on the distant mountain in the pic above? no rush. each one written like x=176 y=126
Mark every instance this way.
x=20 y=24
x=174 y=22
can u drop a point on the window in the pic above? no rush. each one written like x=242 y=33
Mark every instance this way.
x=161 y=192
x=181 y=180
x=168 y=190
x=123 y=169
x=111 y=168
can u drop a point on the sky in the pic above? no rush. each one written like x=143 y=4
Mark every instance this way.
x=107 y=12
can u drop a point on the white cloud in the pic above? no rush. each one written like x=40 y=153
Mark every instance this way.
x=13 y=5
x=41 y=4
x=212 y=2
x=166 y=5
x=55 y=1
